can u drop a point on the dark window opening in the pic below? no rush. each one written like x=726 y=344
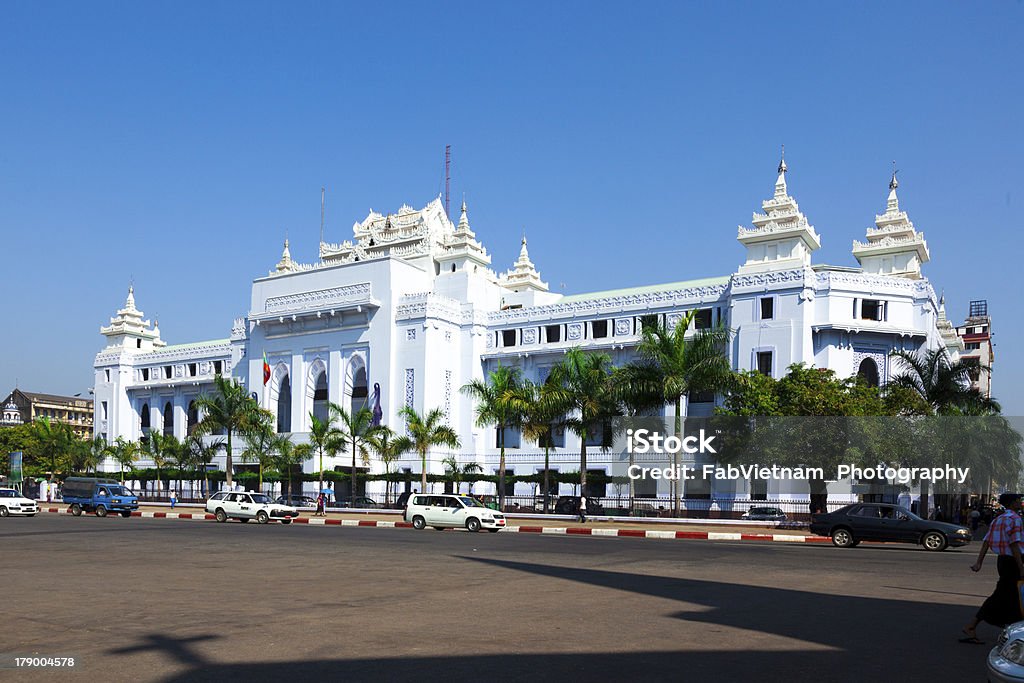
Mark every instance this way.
x=359 y=391
x=320 y=397
x=138 y=343
x=599 y=329
x=168 y=372
x=191 y=369
x=217 y=367
x=193 y=418
x=284 y=406
x=764 y=362
x=145 y=374
x=702 y=321
x=553 y=333
x=767 y=308
x=599 y=434
x=868 y=371
x=168 y=419
x=508 y=337
x=871 y=309
x=701 y=397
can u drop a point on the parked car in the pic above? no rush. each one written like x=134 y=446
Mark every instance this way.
x=851 y=524
x=764 y=515
x=13 y=503
x=244 y=506
x=450 y=511
x=102 y=496
x=570 y=505
x=297 y=501
x=360 y=502
x=1006 y=660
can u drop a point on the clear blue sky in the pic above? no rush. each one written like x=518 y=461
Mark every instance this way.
x=176 y=143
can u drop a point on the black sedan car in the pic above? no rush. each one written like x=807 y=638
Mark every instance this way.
x=852 y=524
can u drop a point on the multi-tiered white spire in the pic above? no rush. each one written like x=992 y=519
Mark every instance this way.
x=461 y=249
x=286 y=264
x=523 y=274
x=894 y=247
x=781 y=237
x=129 y=330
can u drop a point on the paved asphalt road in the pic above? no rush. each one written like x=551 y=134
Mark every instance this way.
x=167 y=600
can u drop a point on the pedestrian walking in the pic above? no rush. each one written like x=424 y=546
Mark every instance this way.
x=174 y=499
x=583 y=509
x=975 y=519
x=320 y=502
x=1004 y=537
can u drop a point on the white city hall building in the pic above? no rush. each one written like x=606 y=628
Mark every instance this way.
x=412 y=304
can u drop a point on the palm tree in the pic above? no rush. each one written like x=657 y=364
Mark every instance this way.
x=229 y=409
x=182 y=458
x=426 y=431
x=389 y=448
x=160 y=449
x=54 y=438
x=324 y=437
x=125 y=453
x=354 y=430
x=201 y=454
x=944 y=385
x=97 y=452
x=286 y=456
x=670 y=366
x=541 y=407
x=585 y=383
x=261 y=447
x=496 y=405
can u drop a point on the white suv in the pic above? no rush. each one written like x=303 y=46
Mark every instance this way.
x=13 y=503
x=244 y=506
x=444 y=511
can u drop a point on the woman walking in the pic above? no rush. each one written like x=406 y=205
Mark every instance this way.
x=1004 y=537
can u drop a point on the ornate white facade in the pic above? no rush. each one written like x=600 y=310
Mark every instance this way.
x=411 y=304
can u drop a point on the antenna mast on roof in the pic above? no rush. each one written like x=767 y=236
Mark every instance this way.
x=447 y=179
x=321 y=214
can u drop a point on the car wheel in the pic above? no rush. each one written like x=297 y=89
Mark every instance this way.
x=262 y=517
x=76 y=510
x=842 y=538
x=286 y=521
x=933 y=540
x=126 y=513
x=101 y=511
x=221 y=515
x=418 y=522
x=4 y=512
x=473 y=524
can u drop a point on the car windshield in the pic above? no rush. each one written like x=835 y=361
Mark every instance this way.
x=470 y=502
x=120 y=491
x=260 y=498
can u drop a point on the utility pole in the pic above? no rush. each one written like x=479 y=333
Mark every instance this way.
x=447 y=180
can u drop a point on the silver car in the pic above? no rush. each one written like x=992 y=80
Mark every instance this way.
x=1006 y=660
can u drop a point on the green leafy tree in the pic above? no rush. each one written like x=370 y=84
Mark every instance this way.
x=495 y=404
x=161 y=449
x=458 y=472
x=183 y=461
x=389 y=447
x=426 y=431
x=229 y=409
x=125 y=453
x=355 y=432
x=588 y=397
x=201 y=454
x=97 y=450
x=261 y=447
x=287 y=456
x=55 y=440
x=324 y=439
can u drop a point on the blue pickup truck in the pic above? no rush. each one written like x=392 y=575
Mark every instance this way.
x=101 y=496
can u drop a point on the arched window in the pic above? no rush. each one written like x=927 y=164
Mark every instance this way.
x=168 y=419
x=284 y=406
x=193 y=417
x=320 y=397
x=359 y=392
x=144 y=418
x=868 y=370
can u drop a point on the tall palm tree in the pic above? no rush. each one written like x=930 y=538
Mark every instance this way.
x=944 y=385
x=324 y=438
x=125 y=453
x=354 y=431
x=670 y=366
x=182 y=459
x=286 y=456
x=97 y=452
x=426 y=431
x=542 y=406
x=160 y=449
x=496 y=405
x=229 y=409
x=389 y=447
x=585 y=382
x=261 y=446
x=54 y=438
x=202 y=453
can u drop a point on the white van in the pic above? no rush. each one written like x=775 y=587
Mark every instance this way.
x=442 y=511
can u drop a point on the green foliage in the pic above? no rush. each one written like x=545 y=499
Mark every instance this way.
x=426 y=431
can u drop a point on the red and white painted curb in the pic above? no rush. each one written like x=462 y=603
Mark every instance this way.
x=548 y=530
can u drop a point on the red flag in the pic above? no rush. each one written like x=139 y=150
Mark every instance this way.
x=266 y=369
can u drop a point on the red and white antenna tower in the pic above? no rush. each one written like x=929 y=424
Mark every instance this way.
x=447 y=179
